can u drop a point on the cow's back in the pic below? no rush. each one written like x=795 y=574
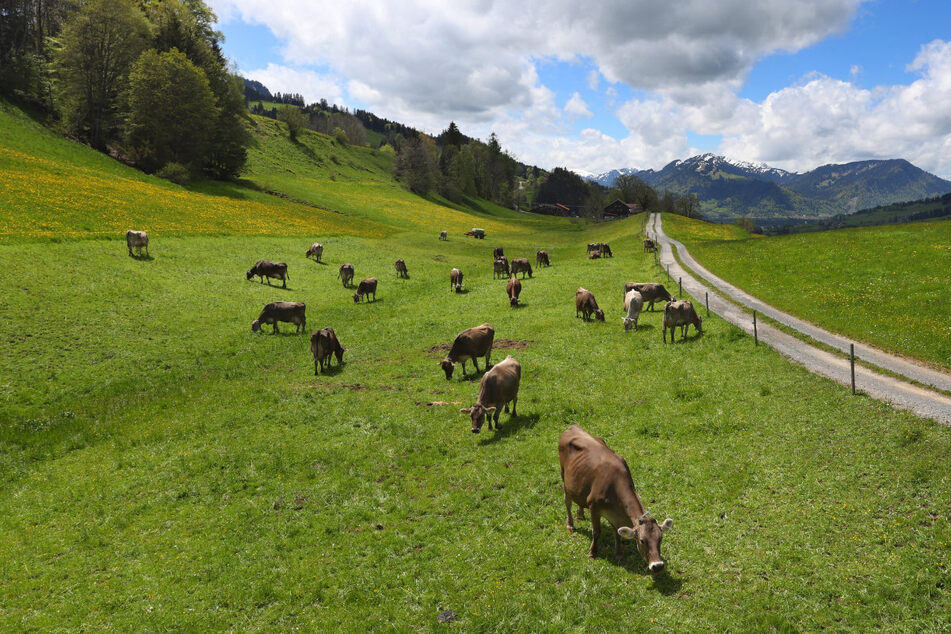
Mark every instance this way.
x=589 y=465
x=500 y=384
x=473 y=342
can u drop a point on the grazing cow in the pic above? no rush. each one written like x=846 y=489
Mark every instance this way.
x=367 y=287
x=633 y=302
x=606 y=250
x=514 y=289
x=346 y=274
x=265 y=269
x=498 y=387
x=137 y=240
x=443 y=235
x=315 y=251
x=596 y=478
x=585 y=305
x=400 y=267
x=680 y=314
x=500 y=268
x=324 y=345
x=293 y=312
x=523 y=266
x=469 y=344
x=455 y=280
x=497 y=253
x=594 y=246
x=541 y=258
x=594 y=255
x=650 y=291
x=649 y=245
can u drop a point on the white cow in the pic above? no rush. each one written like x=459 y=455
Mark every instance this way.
x=633 y=303
x=137 y=240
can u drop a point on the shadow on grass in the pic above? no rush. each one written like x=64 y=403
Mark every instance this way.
x=142 y=257
x=464 y=291
x=632 y=562
x=333 y=370
x=520 y=304
x=509 y=427
x=642 y=327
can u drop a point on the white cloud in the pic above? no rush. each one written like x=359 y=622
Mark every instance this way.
x=594 y=78
x=313 y=86
x=577 y=107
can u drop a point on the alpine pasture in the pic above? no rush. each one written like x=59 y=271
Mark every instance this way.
x=163 y=467
x=887 y=286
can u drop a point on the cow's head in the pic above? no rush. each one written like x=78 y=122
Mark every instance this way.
x=599 y=314
x=250 y=274
x=256 y=325
x=447 y=367
x=356 y=298
x=628 y=322
x=648 y=534
x=459 y=285
x=478 y=412
x=513 y=301
x=698 y=322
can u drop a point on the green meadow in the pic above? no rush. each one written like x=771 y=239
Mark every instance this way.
x=164 y=468
x=887 y=286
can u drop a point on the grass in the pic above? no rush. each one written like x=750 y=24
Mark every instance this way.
x=886 y=286
x=161 y=467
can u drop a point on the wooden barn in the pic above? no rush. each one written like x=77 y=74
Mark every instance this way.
x=620 y=209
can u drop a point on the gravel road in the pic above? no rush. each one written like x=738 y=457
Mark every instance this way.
x=921 y=401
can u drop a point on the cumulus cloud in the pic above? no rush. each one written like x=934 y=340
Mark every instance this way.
x=313 y=86
x=577 y=107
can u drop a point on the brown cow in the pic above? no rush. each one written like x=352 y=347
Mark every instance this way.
x=455 y=280
x=346 y=274
x=367 y=287
x=500 y=268
x=649 y=245
x=541 y=258
x=265 y=269
x=596 y=478
x=400 y=267
x=585 y=305
x=523 y=266
x=324 y=345
x=680 y=314
x=650 y=292
x=606 y=250
x=469 y=344
x=137 y=240
x=514 y=289
x=497 y=253
x=498 y=387
x=316 y=250
x=292 y=312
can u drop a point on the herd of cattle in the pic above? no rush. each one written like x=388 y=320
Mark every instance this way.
x=593 y=476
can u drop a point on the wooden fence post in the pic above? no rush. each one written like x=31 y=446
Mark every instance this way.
x=706 y=297
x=852 y=364
x=755 y=335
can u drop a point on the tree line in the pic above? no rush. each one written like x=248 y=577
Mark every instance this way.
x=145 y=80
x=588 y=199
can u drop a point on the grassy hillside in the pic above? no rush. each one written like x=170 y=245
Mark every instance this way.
x=161 y=467
x=883 y=285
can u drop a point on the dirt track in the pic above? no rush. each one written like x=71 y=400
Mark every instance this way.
x=921 y=401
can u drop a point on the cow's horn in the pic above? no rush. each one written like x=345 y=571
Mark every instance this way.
x=643 y=517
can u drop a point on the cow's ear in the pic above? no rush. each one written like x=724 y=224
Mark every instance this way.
x=466 y=410
x=666 y=524
x=627 y=533
x=489 y=410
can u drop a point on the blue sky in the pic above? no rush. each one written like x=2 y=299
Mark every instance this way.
x=625 y=83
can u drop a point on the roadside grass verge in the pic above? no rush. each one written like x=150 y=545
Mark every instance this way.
x=886 y=286
x=161 y=467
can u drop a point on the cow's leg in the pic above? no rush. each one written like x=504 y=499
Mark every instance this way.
x=488 y=355
x=665 y=333
x=514 y=403
x=580 y=512
x=595 y=532
x=475 y=362
x=617 y=547
x=275 y=328
x=284 y=282
x=571 y=522
x=317 y=365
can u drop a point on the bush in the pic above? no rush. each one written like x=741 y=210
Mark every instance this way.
x=340 y=136
x=175 y=172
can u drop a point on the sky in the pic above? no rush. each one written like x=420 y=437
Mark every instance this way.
x=624 y=83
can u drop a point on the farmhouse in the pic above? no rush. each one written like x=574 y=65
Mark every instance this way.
x=620 y=209
x=553 y=210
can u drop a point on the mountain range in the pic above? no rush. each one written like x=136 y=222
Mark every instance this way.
x=728 y=189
